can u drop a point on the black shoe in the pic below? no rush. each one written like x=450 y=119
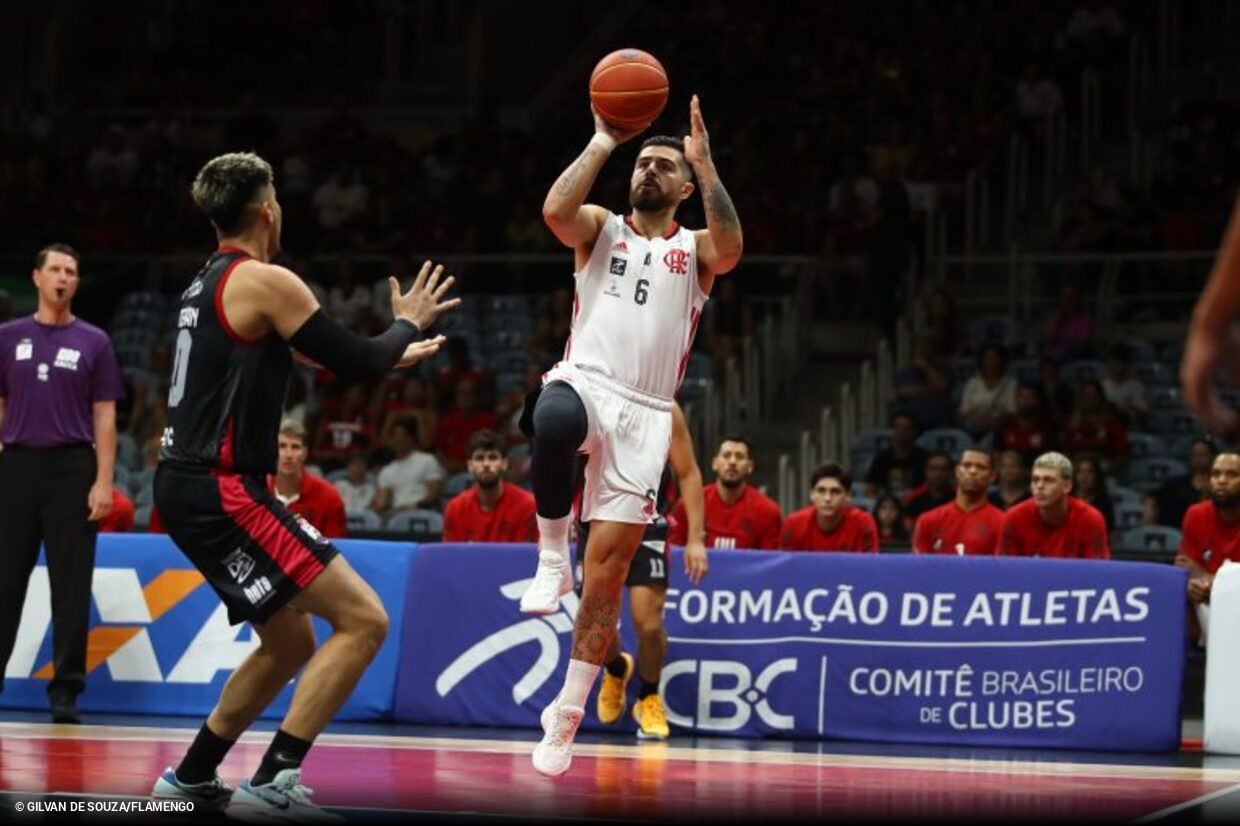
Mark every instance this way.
x=64 y=707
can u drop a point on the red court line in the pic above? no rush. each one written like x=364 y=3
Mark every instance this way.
x=651 y=781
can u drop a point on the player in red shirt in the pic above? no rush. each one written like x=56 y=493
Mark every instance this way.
x=970 y=525
x=1211 y=529
x=490 y=511
x=1053 y=523
x=120 y=520
x=831 y=523
x=313 y=499
x=737 y=514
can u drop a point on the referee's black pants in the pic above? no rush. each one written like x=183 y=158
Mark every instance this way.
x=43 y=493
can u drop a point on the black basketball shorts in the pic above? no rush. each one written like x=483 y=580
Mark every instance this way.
x=255 y=552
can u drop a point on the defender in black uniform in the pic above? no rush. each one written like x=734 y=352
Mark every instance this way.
x=647 y=583
x=240 y=320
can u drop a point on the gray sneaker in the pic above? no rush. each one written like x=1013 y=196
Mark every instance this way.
x=211 y=796
x=283 y=799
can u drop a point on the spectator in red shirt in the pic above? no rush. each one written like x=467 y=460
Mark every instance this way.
x=1029 y=431
x=461 y=422
x=313 y=499
x=970 y=525
x=737 y=514
x=1094 y=426
x=1053 y=523
x=1210 y=532
x=937 y=490
x=831 y=523
x=344 y=429
x=490 y=510
x=120 y=520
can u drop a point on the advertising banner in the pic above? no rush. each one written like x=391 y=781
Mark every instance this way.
x=960 y=650
x=160 y=642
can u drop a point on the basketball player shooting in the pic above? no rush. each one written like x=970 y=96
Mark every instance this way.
x=642 y=281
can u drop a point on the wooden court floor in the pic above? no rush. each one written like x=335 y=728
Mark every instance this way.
x=371 y=773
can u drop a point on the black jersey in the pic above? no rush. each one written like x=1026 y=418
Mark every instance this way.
x=226 y=395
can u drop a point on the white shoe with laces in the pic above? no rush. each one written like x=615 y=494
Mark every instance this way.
x=282 y=800
x=552 y=580
x=554 y=754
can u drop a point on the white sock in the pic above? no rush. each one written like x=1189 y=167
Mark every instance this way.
x=577 y=683
x=553 y=535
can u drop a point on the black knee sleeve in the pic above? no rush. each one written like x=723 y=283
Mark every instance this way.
x=560 y=426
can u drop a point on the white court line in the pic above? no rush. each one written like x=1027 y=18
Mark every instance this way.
x=661 y=750
x=911 y=644
x=1196 y=801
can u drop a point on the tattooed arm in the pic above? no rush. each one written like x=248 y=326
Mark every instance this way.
x=576 y=223
x=720 y=244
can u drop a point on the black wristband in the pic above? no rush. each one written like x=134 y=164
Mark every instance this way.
x=349 y=355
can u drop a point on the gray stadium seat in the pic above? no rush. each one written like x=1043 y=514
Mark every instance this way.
x=1146 y=444
x=1127 y=516
x=873 y=440
x=415 y=521
x=864 y=502
x=1154 y=538
x=948 y=439
x=457 y=484
x=1173 y=423
x=1149 y=473
x=366 y=520
x=1121 y=495
x=1154 y=374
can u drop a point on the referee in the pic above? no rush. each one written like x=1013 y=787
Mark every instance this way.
x=59 y=382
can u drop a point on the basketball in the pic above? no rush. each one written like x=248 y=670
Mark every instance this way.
x=628 y=88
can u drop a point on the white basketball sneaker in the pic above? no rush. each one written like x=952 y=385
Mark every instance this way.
x=554 y=754
x=283 y=800
x=552 y=580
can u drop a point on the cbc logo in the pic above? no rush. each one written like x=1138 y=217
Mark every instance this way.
x=726 y=687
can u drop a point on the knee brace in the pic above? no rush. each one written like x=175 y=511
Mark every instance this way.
x=560 y=426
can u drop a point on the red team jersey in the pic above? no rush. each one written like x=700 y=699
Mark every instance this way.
x=751 y=522
x=319 y=503
x=511 y=520
x=1082 y=535
x=857 y=531
x=949 y=529
x=1207 y=539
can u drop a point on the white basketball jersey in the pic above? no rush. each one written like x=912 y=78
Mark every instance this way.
x=637 y=307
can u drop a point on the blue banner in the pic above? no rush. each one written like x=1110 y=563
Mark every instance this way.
x=160 y=642
x=959 y=650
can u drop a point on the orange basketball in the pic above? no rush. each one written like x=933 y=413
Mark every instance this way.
x=628 y=88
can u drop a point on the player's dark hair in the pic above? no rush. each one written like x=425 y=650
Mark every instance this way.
x=830 y=470
x=63 y=249
x=226 y=185
x=674 y=143
x=990 y=459
x=485 y=441
x=736 y=437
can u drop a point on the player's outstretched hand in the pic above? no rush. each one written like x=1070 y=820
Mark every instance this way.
x=697 y=142
x=419 y=350
x=1206 y=349
x=615 y=132
x=424 y=302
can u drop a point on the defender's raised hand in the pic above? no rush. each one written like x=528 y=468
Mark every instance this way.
x=424 y=302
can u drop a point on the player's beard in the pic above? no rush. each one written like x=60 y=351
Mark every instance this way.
x=488 y=482
x=1225 y=500
x=731 y=484
x=649 y=200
